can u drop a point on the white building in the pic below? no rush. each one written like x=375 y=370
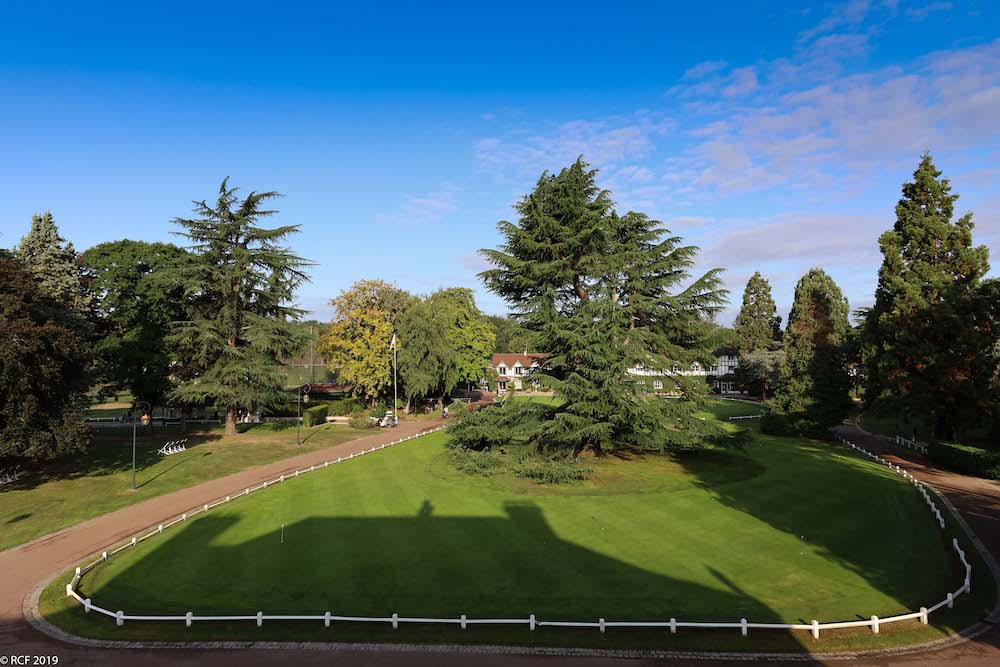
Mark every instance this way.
x=513 y=370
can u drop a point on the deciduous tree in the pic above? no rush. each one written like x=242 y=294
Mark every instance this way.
x=43 y=364
x=356 y=342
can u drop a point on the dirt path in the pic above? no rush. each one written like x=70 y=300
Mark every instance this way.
x=23 y=567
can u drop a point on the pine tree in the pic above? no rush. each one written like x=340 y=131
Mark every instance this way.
x=757 y=327
x=603 y=294
x=242 y=280
x=53 y=262
x=922 y=346
x=813 y=391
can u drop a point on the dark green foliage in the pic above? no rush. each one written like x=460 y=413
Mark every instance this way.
x=43 y=376
x=135 y=303
x=757 y=326
x=966 y=459
x=512 y=337
x=603 y=293
x=924 y=341
x=759 y=370
x=522 y=464
x=813 y=391
x=315 y=415
x=516 y=422
x=241 y=280
x=53 y=262
x=444 y=341
x=342 y=406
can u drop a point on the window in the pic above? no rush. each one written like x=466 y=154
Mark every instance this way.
x=657 y=384
x=502 y=370
x=518 y=370
x=715 y=368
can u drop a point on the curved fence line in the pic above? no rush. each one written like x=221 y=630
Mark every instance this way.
x=328 y=618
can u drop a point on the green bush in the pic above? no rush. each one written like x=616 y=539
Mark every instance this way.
x=483 y=463
x=360 y=421
x=314 y=415
x=342 y=407
x=967 y=459
x=551 y=472
x=522 y=464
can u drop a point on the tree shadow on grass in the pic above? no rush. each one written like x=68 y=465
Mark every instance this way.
x=110 y=453
x=422 y=565
x=852 y=513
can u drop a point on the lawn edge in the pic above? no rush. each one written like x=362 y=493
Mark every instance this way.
x=35 y=618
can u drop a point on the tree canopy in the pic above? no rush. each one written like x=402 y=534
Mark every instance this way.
x=241 y=282
x=512 y=337
x=757 y=326
x=604 y=294
x=444 y=340
x=52 y=260
x=813 y=391
x=135 y=302
x=923 y=346
x=356 y=342
x=43 y=370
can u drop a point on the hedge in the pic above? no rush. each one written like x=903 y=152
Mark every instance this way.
x=966 y=459
x=315 y=415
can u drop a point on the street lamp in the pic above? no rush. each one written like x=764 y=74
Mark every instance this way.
x=303 y=397
x=134 y=421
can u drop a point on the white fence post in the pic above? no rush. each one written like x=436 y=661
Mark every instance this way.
x=395 y=621
x=260 y=618
x=815 y=629
x=923 y=615
x=86 y=605
x=951 y=601
x=743 y=627
x=120 y=618
x=600 y=622
x=531 y=622
x=673 y=626
x=326 y=619
x=69 y=590
x=875 y=624
x=188 y=618
x=463 y=621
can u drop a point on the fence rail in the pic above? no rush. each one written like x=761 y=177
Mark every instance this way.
x=745 y=417
x=909 y=444
x=328 y=618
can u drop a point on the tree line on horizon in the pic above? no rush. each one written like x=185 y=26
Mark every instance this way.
x=601 y=292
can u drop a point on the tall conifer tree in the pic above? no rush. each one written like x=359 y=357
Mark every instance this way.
x=242 y=281
x=813 y=390
x=757 y=326
x=923 y=347
x=53 y=261
x=605 y=293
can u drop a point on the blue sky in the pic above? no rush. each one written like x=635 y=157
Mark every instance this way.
x=774 y=135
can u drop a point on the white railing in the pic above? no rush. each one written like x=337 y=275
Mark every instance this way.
x=909 y=444
x=745 y=417
x=815 y=627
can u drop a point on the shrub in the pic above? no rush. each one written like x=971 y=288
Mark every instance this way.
x=343 y=406
x=360 y=421
x=551 y=472
x=314 y=415
x=483 y=463
x=966 y=459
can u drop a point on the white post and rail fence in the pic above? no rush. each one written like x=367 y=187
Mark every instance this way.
x=530 y=621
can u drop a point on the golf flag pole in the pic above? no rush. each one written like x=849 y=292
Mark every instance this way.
x=395 y=396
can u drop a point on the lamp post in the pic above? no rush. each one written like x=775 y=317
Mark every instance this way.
x=303 y=396
x=395 y=394
x=134 y=422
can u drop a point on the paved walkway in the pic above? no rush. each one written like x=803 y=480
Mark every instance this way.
x=22 y=567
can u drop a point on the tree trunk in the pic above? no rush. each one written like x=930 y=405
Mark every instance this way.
x=184 y=420
x=231 y=421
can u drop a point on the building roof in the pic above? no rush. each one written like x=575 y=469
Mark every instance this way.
x=509 y=360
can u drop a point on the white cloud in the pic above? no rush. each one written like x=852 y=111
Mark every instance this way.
x=703 y=69
x=604 y=143
x=921 y=13
x=426 y=208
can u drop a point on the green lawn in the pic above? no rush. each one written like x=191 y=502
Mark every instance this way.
x=786 y=531
x=66 y=493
